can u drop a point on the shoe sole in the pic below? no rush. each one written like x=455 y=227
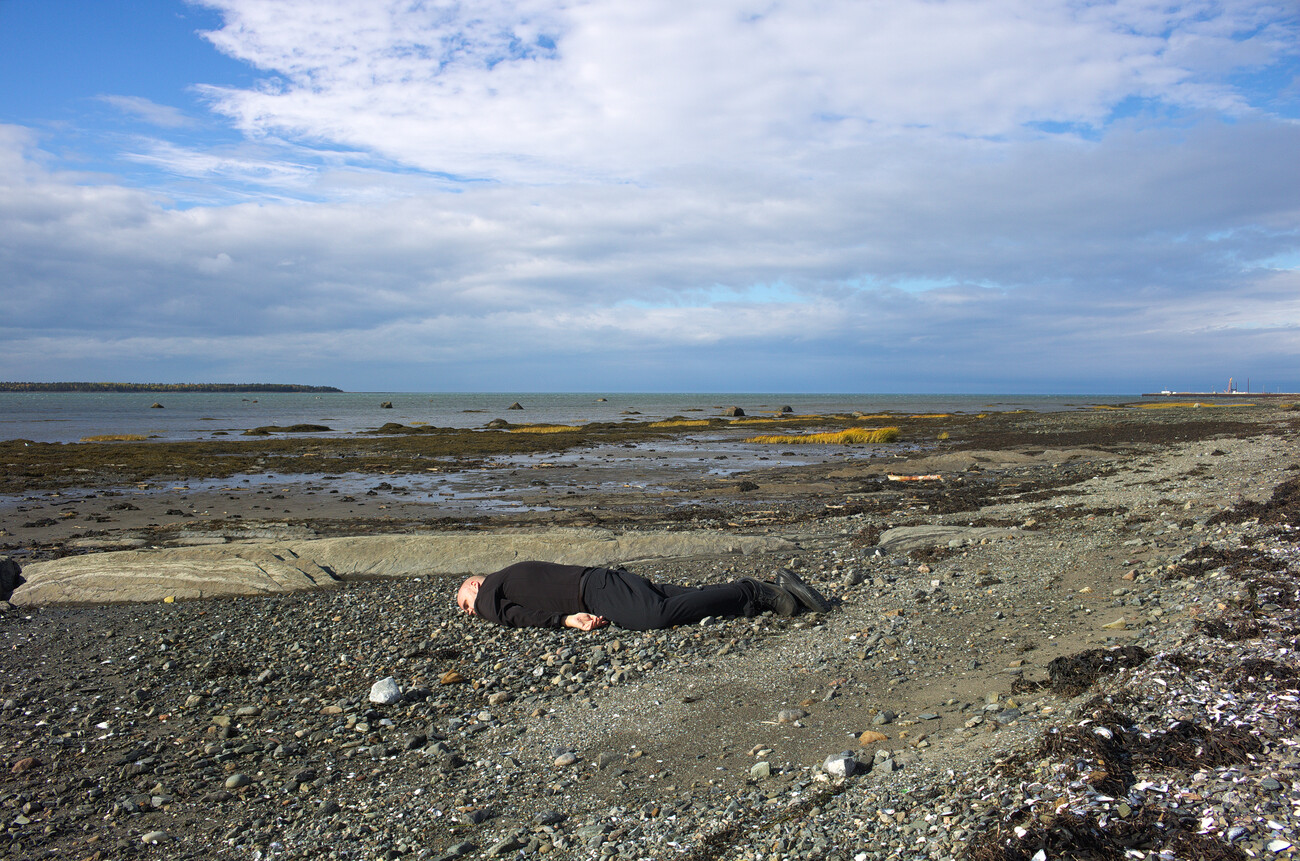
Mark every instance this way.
x=805 y=594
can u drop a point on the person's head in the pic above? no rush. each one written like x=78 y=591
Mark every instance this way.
x=468 y=593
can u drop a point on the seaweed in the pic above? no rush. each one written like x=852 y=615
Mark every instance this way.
x=1282 y=508
x=1071 y=837
x=1073 y=674
x=1230 y=631
x=1257 y=674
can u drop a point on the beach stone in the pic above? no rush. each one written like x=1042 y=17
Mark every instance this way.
x=840 y=764
x=760 y=770
x=153 y=837
x=27 y=763
x=385 y=692
x=237 y=780
x=790 y=715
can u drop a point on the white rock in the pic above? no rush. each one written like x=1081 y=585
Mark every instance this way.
x=840 y=764
x=385 y=692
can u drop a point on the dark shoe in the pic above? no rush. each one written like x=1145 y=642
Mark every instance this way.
x=807 y=595
x=774 y=598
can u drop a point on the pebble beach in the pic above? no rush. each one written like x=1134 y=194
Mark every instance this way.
x=1077 y=642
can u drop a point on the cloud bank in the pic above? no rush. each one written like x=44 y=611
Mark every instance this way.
x=835 y=196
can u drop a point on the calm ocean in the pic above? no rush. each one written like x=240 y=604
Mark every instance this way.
x=68 y=417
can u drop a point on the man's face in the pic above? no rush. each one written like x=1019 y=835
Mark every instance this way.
x=466 y=596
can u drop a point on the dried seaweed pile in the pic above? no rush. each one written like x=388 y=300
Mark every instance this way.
x=1117 y=784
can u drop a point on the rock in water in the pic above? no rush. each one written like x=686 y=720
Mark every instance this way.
x=385 y=692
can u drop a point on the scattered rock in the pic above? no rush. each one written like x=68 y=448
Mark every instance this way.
x=386 y=692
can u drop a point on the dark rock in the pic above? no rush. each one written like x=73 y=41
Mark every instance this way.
x=386 y=405
x=515 y=406
x=787 y=409
x=155 y=406
x=733 y=411
x=11 y=577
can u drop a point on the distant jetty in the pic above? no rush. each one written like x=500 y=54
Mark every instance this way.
x=1245 y=395
x=164 y=387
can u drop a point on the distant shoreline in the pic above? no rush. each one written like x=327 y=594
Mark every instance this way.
x=1250 y=395
x=163 y=387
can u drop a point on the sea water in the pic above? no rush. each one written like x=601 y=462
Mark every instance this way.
x=71 y=416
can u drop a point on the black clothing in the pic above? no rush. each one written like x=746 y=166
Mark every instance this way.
x=542 y=594
x=635 y=603
x=531 y=595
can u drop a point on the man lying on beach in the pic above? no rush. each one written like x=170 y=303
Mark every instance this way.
x=547 y=595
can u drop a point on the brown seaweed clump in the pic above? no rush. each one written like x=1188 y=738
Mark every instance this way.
x=1071 y=837
x=1281 y=509
x=1073 y=674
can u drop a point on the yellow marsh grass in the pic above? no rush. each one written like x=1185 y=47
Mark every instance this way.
x=932 y=416
x=115 y=437
x=547 y=429
x=1194 y=404
x=682 y=423
x=851 y=436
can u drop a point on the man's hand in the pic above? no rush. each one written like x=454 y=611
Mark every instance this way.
x=585 y=621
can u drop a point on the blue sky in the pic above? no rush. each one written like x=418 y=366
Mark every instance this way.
x=845 y=195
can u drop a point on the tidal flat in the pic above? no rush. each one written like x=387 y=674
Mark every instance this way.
x=1078 y=638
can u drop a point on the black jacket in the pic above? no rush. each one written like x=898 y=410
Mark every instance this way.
x=531 y=595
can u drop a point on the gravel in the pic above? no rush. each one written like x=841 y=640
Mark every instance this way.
x=374 y=721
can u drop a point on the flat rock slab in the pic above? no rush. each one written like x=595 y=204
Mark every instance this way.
x=965 y=461
x=253 y=568
x=902 y=539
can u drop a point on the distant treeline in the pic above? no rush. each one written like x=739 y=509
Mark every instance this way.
x=161 y=387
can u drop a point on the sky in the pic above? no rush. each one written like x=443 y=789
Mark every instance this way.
x=1002 y=196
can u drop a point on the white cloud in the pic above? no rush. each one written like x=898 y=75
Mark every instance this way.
x=633 y=89
x=677 y=195
x=163 y=116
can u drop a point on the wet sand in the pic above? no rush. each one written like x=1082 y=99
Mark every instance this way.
x=68 y=499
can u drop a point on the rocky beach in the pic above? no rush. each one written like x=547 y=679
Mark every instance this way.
x=1056 y=635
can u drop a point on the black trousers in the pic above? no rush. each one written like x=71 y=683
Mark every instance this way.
x=633 y=602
